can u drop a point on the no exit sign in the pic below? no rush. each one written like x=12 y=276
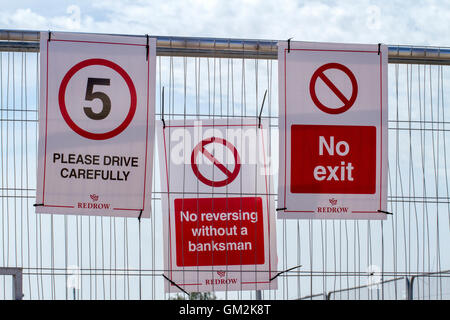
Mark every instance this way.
x=341 y=159
x=333 y=131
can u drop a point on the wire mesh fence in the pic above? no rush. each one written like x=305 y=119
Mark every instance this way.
x=81 y=257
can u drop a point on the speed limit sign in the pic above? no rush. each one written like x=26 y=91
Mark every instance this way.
x=95 y=126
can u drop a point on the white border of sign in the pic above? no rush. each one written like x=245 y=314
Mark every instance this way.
x=303 y=206
x=106 y=48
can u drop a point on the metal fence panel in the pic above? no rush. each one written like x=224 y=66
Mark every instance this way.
x=76 y=257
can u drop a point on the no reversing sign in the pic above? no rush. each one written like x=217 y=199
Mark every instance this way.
x=95 y=125
x=333 y=131
x=219 y=212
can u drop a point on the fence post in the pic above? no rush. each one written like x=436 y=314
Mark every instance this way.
x=409 y=288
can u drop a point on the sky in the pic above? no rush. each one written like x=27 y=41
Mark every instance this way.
x=418 y=22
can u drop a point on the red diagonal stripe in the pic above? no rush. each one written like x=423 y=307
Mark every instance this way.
x=216 y=162
x=333 y=88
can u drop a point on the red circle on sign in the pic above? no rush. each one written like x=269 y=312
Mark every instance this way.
x=62 y=99
x=200 y=147
x=319 y=73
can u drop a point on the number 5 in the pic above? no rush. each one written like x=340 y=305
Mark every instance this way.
x=97 y=95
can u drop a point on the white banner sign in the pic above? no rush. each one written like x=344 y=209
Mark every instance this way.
x=218 y=205
x=96 y=118
x=333 y=131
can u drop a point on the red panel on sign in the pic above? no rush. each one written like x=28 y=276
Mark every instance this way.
x=219 y=231
x=333 y=159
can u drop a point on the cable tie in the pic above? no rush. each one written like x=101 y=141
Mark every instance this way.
x=289 y=44
x=162 y=109
x=287 y=270
x=260 y=112
x=147 y=49
x=175 y=285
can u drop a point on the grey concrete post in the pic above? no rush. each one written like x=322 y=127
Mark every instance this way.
x=17 y=276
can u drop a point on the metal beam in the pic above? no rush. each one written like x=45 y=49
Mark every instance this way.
x=26 y=40
x=419 y=55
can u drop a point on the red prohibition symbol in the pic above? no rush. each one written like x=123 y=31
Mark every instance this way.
x=63 y=107
x=319 y=73
x=200 y=147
